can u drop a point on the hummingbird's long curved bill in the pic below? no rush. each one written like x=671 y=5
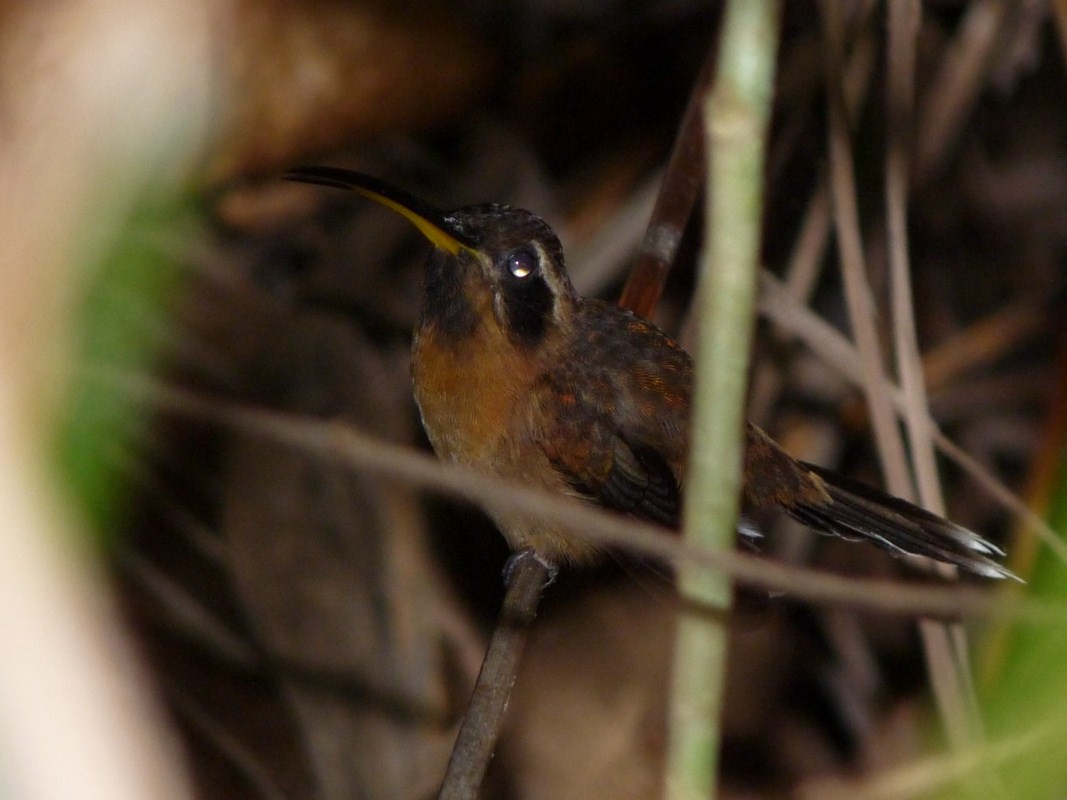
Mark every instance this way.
x=432 y=223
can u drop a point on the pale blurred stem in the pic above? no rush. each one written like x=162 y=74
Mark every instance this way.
x=736 y=117
x=904 y=18
x=861 y=310
x=945 y=645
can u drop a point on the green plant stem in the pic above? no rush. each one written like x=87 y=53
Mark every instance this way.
x=736 y=117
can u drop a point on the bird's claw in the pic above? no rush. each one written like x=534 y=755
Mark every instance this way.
x=517 y=558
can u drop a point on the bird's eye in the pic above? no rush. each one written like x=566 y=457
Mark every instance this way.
x=525 y=302
x=522 y=262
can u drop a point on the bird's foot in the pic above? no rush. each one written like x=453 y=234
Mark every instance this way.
x=512 y=564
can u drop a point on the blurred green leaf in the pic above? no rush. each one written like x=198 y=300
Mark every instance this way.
x=1028 y=702
x=122 y=326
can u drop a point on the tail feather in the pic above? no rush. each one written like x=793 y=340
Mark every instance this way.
x=858 y=511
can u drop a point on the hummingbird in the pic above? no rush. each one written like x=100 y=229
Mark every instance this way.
x=516 y=374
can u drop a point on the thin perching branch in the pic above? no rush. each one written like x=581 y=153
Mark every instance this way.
x=484 y=719
x=736 y=120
